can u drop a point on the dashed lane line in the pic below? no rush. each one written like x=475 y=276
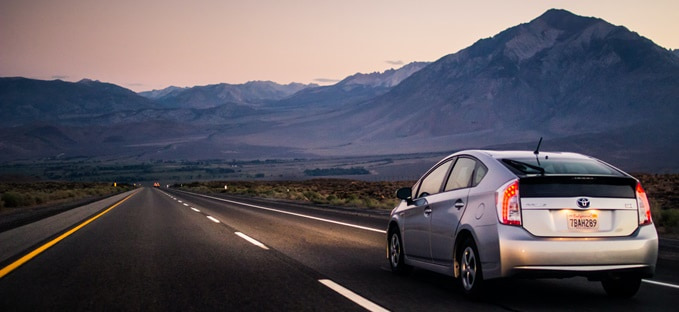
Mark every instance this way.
x=252 y=240
x=365 y=303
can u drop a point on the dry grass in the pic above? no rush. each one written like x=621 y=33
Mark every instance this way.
x=334 y=192
x=662 y=191
x=14 y=195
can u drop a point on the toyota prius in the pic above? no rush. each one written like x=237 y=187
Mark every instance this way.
x=481 y=215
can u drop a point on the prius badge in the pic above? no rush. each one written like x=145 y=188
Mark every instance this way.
x=583 y=203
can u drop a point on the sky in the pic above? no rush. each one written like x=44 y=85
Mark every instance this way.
x=152 y=44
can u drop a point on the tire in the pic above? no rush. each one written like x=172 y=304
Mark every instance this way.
x=471 y=274
x=396 y=254
x=621 y=287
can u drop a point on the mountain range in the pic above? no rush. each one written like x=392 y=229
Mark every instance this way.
x=583 y=84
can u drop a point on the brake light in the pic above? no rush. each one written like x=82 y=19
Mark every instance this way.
x=643 y=206
x=507 y=202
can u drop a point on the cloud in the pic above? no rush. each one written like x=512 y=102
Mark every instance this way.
x=398 y=62
x=326 y=80
x=60 y=77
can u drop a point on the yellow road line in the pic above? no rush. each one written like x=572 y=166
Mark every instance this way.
x=6 y=270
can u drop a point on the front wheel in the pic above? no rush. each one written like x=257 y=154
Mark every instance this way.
x=396 y=254
x=621 y=287
x=471 y=275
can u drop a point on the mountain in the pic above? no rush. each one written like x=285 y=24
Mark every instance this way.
x=583 y=84
x=387 y=79
x=157 y=94
x=253 y=92
x=560 y=74
x=353 y=89
x=28 y=101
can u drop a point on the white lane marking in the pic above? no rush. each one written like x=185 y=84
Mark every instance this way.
x=185 y=204
x=179 y=201
x=299 y=215
x=213 y=219
x=660 y=283
x=252 y=240
x=367 y=304
x=194 y=209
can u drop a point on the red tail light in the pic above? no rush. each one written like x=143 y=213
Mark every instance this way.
x=643 y=206
x=507 y=202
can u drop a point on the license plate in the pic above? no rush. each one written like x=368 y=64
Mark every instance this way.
x=583 y=221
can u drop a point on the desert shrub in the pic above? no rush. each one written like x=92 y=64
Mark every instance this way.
x=40 y=198
x=12 y=199
x=656 y=211
x=312 y=196
x=670 y=220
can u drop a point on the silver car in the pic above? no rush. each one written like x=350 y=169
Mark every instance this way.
x=480 y=215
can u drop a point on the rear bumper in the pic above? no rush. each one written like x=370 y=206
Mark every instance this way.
x=524 y=254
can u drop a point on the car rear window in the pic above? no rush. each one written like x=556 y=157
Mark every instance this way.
x=572 y=186
x=560 y=166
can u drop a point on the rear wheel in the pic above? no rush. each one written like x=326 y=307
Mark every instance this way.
x=622 y=286
x=471 y=275
x=396 y=254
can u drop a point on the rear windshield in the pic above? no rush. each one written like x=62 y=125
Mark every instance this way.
x=569 y=186
x=560 y=166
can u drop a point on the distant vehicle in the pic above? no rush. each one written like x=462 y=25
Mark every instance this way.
x=479 y=215
x=156 y=184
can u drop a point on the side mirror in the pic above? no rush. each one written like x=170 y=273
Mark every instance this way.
x=404 y=193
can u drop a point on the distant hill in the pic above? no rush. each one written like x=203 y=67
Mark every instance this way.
x=254 y=92
x=28 y=101
x=583 y=84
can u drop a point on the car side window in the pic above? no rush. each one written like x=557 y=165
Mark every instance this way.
x=461 y=176
x=479 y=173
x=431 y=184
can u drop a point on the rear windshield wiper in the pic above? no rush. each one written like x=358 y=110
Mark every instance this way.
x=524 y=167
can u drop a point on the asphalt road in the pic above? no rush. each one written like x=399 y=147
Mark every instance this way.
x=162 y=250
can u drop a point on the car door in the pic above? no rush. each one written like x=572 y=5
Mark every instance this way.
x=416 y=218
x=447 y=209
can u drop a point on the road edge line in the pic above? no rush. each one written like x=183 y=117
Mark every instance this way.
x=28 y=257
x=660 y=283
x=293 y=214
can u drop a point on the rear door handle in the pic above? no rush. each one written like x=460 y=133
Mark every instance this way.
x=459 y=204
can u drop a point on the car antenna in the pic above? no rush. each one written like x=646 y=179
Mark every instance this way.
x=537 y=151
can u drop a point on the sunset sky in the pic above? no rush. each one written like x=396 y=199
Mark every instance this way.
x=144 y=45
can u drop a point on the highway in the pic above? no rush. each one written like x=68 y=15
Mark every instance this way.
x=164 y=250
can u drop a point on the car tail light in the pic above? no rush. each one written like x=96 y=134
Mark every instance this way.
x=507 y=202
x=643 y=206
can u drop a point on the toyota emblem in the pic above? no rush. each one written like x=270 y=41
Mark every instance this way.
x=583 y=202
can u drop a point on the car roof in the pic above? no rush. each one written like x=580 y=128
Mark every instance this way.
x=502 y=154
